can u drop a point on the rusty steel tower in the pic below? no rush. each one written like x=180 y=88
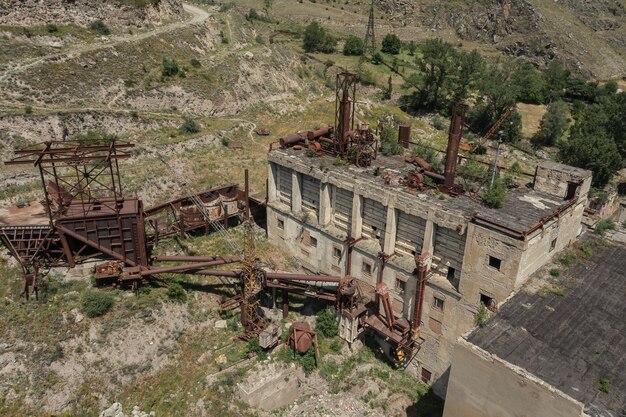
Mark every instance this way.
x=369 y=44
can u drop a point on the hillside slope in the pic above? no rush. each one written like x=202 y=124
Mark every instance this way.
x=588 y=36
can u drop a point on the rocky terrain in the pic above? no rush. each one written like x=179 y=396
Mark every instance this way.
x=126 y=13
x=588 y=36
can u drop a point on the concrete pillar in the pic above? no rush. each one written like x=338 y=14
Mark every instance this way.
x=296 y=192
x=389 y=246
x=429 y=235
x=325 y=204
x=272 y=190
x=357 y=215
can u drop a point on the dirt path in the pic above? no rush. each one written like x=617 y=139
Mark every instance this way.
x=198 y=16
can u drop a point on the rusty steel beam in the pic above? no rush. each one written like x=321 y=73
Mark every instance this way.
x=280 y=276
x=418 y=303
x=180 y=258
x=219 y=273
x=184 y=268
x=454 y=139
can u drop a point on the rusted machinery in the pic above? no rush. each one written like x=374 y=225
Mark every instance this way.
x=356 y=144
x=302 y=338
x=90 y=217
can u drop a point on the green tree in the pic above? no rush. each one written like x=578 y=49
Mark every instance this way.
x=353 y=46
x=391 y=44
x=317 y=40
x=494 y=197
x=470 y=68
x=592 y=144
x=432 y=82
x=95 y=303
x=530 y=84
x=267 y=6
x=553 y=124
x=555 y=81
x=496 y=94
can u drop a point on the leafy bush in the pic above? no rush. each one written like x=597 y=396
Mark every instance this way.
x=353 y=46
x=482 y=315
x=603 y=226
x=96 y=303
x=188 y=127
x=495 y=196
x=555 y=272
x=316 y=39
x=169 y=67
x=377 y=58
x=28 y=109
x=100 y=27
x=254 y=347
x=176 y=292
x=307 y=361
x=195 y=63
x=327 y=324
x=439 y=122
x=389 y=145
x=52 y=28
x=391 y=44
x=225 y=141
x=605 y=385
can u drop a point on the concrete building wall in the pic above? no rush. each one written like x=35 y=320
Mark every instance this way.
x=490 y=265
x=483 y=385
x=548 y=241
x=554 y=178
x=484 y=261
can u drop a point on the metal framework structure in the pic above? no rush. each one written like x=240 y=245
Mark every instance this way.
x=89 y=216
x=369 y=42
x=355 y=144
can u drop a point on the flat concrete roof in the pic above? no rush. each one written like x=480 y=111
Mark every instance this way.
x=521 y=211
x=571 y=341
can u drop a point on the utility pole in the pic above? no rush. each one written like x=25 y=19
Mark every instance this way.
x=369 y=45
x=495 y=162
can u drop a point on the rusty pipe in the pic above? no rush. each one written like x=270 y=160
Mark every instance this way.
x=435 y=176
x=181 y=258
x=301 y=277
x=219 y=273
x=291 y=140
x=183 y=268
x=454 y=139
x=314 y=134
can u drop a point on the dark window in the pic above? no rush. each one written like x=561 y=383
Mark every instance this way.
x=281 y=224
x=495 y=262
x=337 y=252
x=400 y=285
x=451 y=272
x=313 y=242
x=552 y=245
x=572 y=187
x=366 y=267
x=489 y=302
x=426 y=375
x=438 y=303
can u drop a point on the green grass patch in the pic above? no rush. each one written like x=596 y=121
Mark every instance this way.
x=96 y=303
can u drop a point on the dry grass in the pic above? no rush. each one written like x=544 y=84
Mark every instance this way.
x=531 y=117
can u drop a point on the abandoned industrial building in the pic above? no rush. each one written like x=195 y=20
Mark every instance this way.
x=347 y=220
x=552 y=355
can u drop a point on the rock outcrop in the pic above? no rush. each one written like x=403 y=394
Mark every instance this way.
x=127 y=13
